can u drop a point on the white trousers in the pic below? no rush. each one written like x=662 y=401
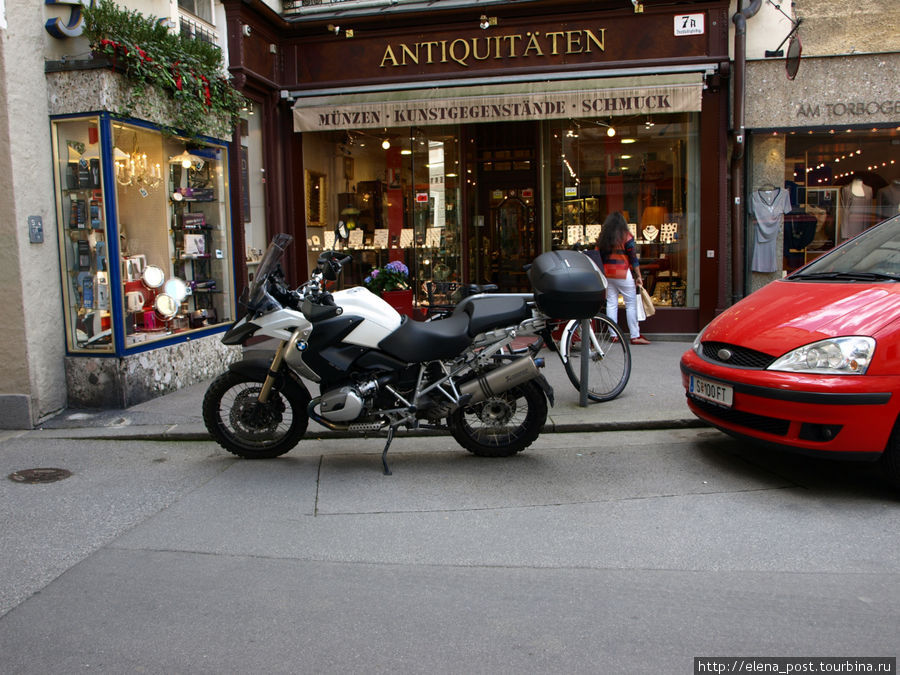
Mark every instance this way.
x=627 y=288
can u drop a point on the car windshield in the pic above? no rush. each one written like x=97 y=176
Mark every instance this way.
x=872 y=256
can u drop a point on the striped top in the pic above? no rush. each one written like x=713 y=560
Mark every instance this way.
x=616 y=263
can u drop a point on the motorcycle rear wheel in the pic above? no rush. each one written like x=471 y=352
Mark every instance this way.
x=501 y=425
x=249 y=429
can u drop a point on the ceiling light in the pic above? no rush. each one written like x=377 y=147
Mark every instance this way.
x=186 y=159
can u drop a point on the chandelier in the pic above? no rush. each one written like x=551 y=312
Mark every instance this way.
x=134 y=169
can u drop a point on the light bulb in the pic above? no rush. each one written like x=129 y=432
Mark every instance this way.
x=610 y=132
x=385 y=144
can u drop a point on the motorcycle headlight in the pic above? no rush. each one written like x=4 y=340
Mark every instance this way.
x=835 y=356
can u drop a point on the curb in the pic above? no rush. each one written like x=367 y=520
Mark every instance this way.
x=174 y=434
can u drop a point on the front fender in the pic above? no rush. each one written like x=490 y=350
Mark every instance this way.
x=258 y=369
x=564 y=340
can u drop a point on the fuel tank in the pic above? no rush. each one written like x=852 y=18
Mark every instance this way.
x=379 y=318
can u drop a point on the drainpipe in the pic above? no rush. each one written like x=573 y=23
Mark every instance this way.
x=740 y=141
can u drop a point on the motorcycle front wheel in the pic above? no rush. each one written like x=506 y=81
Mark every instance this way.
x=501 y=425
x=250 y=429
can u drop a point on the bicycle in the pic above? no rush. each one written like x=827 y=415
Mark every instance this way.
x=608 y=351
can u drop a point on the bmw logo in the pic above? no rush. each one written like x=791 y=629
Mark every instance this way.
x=724 y=354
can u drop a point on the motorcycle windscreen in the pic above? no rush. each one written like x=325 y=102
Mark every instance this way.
x=269 y=262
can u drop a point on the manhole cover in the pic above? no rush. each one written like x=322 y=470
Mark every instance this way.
x=39 y=475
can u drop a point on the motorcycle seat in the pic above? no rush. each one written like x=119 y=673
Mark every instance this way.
x=493 y=311
x=417 y=341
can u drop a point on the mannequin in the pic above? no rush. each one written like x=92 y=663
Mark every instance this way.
x=768 y=204
x=856 y=208
x=889 y=199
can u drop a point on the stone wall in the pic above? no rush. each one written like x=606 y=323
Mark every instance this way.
x=89 y=89
x=95 y=382
x=840 y=90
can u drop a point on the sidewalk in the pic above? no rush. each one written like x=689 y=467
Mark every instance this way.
x=653 y=399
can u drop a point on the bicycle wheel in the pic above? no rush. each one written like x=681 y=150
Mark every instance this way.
x=609 y=354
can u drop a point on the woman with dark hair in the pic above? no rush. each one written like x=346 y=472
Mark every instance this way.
x=620 y=265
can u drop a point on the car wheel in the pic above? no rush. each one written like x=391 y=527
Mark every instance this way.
x=890 y=459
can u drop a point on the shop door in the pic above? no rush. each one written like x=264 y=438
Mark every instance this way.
x=507 y=175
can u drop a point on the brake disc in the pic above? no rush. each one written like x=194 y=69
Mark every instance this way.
x=255 y=419
x=496 y=411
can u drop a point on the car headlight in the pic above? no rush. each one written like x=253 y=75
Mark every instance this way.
x=835 y=356
x=698 y=346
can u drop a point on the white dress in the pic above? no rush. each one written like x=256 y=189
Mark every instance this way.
x=769 y=207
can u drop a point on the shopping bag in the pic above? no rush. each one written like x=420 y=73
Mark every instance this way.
x=646 y=304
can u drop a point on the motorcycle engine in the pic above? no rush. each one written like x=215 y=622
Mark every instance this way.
x=347 y=403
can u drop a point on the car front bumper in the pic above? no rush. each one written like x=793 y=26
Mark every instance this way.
x=851 y=415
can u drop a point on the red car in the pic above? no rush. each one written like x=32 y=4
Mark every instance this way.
x=811 y=362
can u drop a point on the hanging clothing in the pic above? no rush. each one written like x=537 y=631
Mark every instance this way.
x=856 y=208
x=769 y=208
x=889 y=200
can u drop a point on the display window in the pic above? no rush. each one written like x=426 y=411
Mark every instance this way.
x=648 y=169
x=144 y=234
x=812 y=189
x=477 y=203
x=398 y=191
x=253 y=185
x=83 y=234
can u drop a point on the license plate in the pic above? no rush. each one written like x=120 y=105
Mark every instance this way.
x=708 y=390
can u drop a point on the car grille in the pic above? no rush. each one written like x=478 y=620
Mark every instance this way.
x=768 y=425
x=741 y=357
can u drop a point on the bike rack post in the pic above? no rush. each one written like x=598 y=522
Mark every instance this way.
x=585 y=361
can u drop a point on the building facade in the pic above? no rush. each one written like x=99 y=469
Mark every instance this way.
x=121 y=265
x=823 y=161
x=462 y=138
x=465 y=144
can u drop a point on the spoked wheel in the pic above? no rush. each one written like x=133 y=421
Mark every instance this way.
x=250 y=429
x=501 y=425
x=609 y=354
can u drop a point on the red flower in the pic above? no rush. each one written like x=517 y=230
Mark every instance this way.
x=206 y=92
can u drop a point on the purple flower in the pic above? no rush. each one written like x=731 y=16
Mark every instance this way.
x=397 y=266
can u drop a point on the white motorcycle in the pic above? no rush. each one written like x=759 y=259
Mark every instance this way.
x=378 y=371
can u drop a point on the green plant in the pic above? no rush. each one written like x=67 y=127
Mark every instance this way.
x=392 y=277
x=190 y=72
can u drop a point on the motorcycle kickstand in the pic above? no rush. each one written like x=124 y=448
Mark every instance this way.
x=390 y=437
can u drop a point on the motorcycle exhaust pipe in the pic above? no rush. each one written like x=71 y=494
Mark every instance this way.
x=499 y=380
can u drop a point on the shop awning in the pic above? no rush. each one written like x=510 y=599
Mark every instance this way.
x=596 y=97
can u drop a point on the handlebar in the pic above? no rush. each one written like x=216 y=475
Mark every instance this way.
x=315 y=301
